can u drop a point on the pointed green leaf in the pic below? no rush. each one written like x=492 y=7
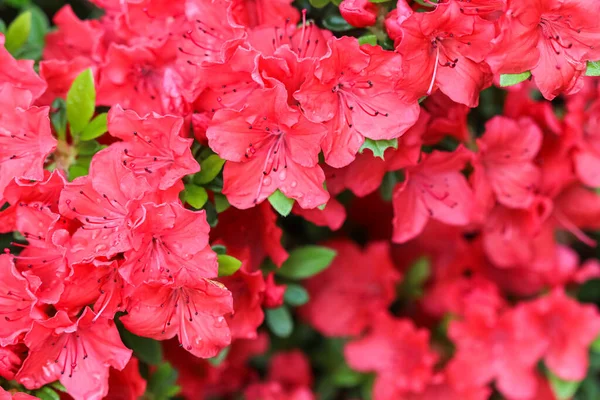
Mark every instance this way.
x=563 y=390
x=282 y=204
x=59 y=117
x=81 y=102
x=335 y=22
x=219 y=358
x=295 y=295
x=18 y=32
x=89 y=148
x=2 y=26
x=513 y=79
x=593 y=68
x=146 y=349
x=77 y=170
x=46 y=393
x=221 y=203
x=219 y=248
x=195 y=195
x=415 y=278
x=306 y=261
x=96 y=128
x=209 y=169
x=368 y=39
x=378 y=147
x=228 y=265
x=280 y=322
x=319 y=3
x=162 y=383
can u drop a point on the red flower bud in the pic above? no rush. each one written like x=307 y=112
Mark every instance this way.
x=359 y=13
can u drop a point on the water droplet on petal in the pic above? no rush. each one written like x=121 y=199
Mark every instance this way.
x=283 y=175
x=267 y=180
x=294 y=184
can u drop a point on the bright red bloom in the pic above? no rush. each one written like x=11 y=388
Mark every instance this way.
x=11 y=358
x=253 y=13
x=126 y=384
x=445 y=49
x=73 y=38
x=552 y=39
x=505 y=163
x=359 y=13
x=251 y=234
x=17 y=303
x=395 y=18
x=248 y=291
x=100 y=201
x=19 y=73
x=273 y=292
x=332 y=216
x=4 y=395
x=354 y=89
x=78 y=354
x=433 y=189
x=584 y=122
x=570 y=328
x=268 y=146
x=447 y=118
x=171 y=244
x=25 y=136
x=291 y=368
x=440 y=388
x=276 y=391
x=59 y=75
x=214 y=36
x=398 y=352
x=101 y=286
x=358 y=284
x=503 y=347
x=195 y=313
x=152 y=146
x=140 y=78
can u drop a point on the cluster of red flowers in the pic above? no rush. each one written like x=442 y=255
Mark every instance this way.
x=364 y=141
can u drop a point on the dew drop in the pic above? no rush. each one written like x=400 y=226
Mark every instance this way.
x=267 y=180
x=294 y=184
x=283 y=175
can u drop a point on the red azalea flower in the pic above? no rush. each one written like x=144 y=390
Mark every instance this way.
x=276 y=391
x=354 y=89
x=100 y=201
x=332 y=216
x=73 y=38
x=503 y=347
x=142 y=79
x=359 y=13
x=25 y=136
x=445 y=49
x=398 y=352
x=19 y=74
x=11 y=358
x=273 y=292
x=248 y=291
x=170 y=244
x=152 y=146
x=583 y=120
x=570 y=328
x=553 y=39
x=100 y=285
x=395 y=18
x=440 y=388
x=505 y=163
x=4 y=395
x=268 y=146
x=356 y=285
x=126 y=384
x=59 y=76
x=194 y=312
x=78 y=354
x=17 y=303
x=448 y=118
x=252 y=234
x=253 y=13
x=433 y=189
x=290 y=368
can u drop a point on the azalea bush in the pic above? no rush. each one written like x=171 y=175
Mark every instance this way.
x=300 y=200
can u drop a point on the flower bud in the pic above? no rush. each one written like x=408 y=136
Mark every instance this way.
x=359 y=13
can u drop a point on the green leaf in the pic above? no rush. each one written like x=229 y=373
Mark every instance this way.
x=386 y=190
x=77 y=170
x=58 y=386
x=595 y=346
x=280 y=322
x=46 y=393
x=2 y=26
x=209 y=169
x=219 y=249
x=146 y=349
x=228 y=265
x=335 y=22
x=18 y=32
x=195 y=195
x=319 y=3
x=344 y=376
x=96 y=128
x=589 y=292
x=513 y=79
x=306 y=261
x=562 y=389
x=161 y=385
x=378 y=147
x=219 y=358
x=81 y=101
x=59 y=117
x=282 y=204
x=368 y=39
x=221 y=202
x=415 y=278
x=593 y=68
x=295 y=295
x=89 y=148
